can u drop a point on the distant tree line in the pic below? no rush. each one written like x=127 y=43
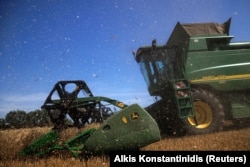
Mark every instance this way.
x=22 y=119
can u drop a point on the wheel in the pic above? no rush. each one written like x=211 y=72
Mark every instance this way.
x=208 y=113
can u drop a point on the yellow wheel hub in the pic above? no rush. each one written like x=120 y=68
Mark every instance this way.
x=202 y=115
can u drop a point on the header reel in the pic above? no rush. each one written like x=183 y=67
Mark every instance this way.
x=74 y=99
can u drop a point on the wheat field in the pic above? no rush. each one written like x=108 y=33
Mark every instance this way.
x=13 y=140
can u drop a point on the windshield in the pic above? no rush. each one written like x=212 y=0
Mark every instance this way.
x=154 y=65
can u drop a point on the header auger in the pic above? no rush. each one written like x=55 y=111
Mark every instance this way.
x=128 y=129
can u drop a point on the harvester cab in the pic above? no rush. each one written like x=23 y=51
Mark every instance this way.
x=164 y=76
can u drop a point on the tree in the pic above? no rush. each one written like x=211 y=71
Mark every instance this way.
x=16 y=119
x=2 y=123
x=31 y=119
x=37 y=118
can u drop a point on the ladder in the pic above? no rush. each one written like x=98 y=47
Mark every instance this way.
x=183 y=98
x=181 y=88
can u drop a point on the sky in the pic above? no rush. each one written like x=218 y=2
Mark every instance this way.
x=42 y=42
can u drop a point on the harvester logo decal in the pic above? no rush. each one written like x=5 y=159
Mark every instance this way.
x=134 y=116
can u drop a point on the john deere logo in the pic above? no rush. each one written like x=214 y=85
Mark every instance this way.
x=134 y=115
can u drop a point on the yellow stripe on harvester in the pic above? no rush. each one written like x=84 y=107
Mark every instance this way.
x=221 y=78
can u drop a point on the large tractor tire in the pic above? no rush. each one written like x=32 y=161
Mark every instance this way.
x=208 y=113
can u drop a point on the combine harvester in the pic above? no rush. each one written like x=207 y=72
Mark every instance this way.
x=201 y=77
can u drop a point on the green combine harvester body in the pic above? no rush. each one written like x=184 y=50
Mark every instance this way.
x=199 y=70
